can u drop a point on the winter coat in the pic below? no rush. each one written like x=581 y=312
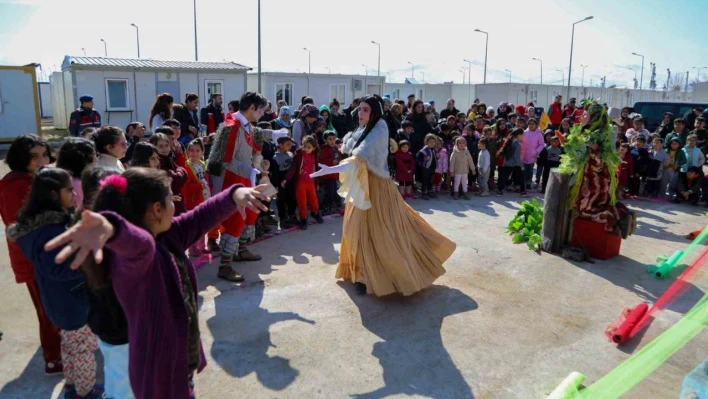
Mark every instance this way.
x=443 y=161
x=108 y=161
x=625 y=170
x=193 y=191
x=330 y=156
x=694 y=157
x=63 y=290
x=658 y=161
x=677 y=160
x=447 y=112
x=279 y=167
x=405 y=166
x=147 y=283
x=461 y=162
x=217 y=114
x=82 y=119
x=179 y=178
x=532 y=146
x=515 y=150
x=681 y=137
x=14 y=188
x=186 y=118
x=555 y=113
x=339 y=122
x=426 y=152
x=296 y=171
x=421 y=128
x=394 y=125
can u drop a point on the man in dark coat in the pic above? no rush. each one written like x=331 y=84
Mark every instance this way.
x=449 y=110
x=215 y=109
x=85 y=116
x=186 y=115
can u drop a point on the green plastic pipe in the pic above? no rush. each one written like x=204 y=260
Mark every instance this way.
x=569 y=387
x=665 y=268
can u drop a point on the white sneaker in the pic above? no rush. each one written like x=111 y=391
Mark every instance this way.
x=484 y=194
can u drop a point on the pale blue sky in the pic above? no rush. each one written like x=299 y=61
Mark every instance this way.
x=435 y=36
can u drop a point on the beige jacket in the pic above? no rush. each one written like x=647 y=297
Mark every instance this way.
x=461 y=162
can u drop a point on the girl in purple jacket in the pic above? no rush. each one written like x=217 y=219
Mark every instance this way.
x=154 y=281
x=532 y=146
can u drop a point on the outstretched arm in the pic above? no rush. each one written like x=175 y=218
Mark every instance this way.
x=328 y=170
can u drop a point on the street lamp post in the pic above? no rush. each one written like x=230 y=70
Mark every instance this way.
x=562 y=75
x=508 y=70
x=698 y=75
x=582 y=80
x=378 y=72
x=463 y=74
x=366 y=70
x=137 y=35
x=641 y=77
x=105 y=48
x=412 y=69
x=84 y=50
x=469 y=81
x=328 y=70
x=541 y=61
x=309 y=60
x=423 y=73
x=486 y=46
x=570 y=64
x=196 y=50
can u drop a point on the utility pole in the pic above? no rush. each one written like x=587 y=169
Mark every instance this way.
x=686 y=90
x=260 y=87
x=196 y=50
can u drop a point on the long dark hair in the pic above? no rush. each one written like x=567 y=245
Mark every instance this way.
x=45 y=193
x=376 y=103
x=414 y=107
x=75 y=154
x=107 y=135
x=97 y=276
x=142 y=153
x=18 y=155
x=162 y=106
x=145 y=187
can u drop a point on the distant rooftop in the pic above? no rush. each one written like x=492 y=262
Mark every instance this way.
x=132 y=63
x=412 y=81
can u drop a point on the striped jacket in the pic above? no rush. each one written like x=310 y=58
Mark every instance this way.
x=81 y=119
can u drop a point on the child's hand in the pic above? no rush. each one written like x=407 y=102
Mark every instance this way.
x=282 y=184
x=427 y=158
x=176 y=198
x=336 y=162
x=250 y=198
x=90 y=234
x=410 y=172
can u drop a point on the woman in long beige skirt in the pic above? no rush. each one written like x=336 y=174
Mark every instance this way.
x=386 y=246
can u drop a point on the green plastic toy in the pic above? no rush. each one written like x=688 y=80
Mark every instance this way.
x=569 y=387
x=664 y=266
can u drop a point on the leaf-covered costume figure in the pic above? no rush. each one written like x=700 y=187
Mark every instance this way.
x=590 y=155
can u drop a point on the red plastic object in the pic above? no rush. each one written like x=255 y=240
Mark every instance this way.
x=622 y=334
x=592 y=236
x=211 y=128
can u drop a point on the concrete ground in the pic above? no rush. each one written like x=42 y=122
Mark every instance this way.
x=502 y=323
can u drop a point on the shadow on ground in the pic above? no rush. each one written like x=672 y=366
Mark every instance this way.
x=415 y=362
x=241 y=326
x=32 y=383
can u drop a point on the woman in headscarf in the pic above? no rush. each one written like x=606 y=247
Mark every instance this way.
x=326 y=115
x=305 y=124
x=386 y=246
x=284 y=119
x=667 y=125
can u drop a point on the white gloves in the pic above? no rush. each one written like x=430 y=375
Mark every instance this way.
x=254 y=173
x=328 y=170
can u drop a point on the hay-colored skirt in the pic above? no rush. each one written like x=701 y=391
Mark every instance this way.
x=385 y=243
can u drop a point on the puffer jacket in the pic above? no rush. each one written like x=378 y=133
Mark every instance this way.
x=461 y=162
x=14 y=188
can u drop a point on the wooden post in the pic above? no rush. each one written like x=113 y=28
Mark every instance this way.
x=556 y=213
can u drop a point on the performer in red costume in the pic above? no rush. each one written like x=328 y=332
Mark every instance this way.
x=230 y=163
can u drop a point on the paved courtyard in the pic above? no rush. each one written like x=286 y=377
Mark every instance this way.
x=502 y=323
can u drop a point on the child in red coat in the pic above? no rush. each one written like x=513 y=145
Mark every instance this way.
x=304 y=164
x=405 y=165
x=196 y=189
x=625 y=171
x=330 y=156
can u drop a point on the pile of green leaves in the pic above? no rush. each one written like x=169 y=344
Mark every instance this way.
x=526 y=225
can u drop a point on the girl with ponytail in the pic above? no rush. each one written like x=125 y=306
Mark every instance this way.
x=154 y=281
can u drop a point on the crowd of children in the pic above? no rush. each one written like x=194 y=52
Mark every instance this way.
x=131 y=188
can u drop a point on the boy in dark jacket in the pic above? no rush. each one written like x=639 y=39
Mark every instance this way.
x=551 y=157
x=405 y=132
x=427 y=163
x=279 y=167
x=688 y=188
x=330 y=156
x=642 y=159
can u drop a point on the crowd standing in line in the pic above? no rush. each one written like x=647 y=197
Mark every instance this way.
x=137 y=211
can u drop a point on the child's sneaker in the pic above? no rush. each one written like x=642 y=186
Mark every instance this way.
x=454 y=196
x=500 y=193
x=425 y=197
x=318 y=218
x=96 y=393
x=484 y=194
x=303 y=224
x=466 y=196
x=524 y=194
x=54 y=368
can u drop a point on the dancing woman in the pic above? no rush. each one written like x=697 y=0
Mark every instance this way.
x=386 y=246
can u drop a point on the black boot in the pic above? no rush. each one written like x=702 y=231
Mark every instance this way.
x=360 y=288
x=303 y=224
x=317 y=217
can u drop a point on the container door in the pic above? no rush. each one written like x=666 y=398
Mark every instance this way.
x=19 y=105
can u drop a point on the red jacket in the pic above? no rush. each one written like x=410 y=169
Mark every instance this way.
x=294 y=172
x=405 y=162
x=192 y=191
x=14 y=188
x=330 y=156
x=179 y=177
x=555 y=113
